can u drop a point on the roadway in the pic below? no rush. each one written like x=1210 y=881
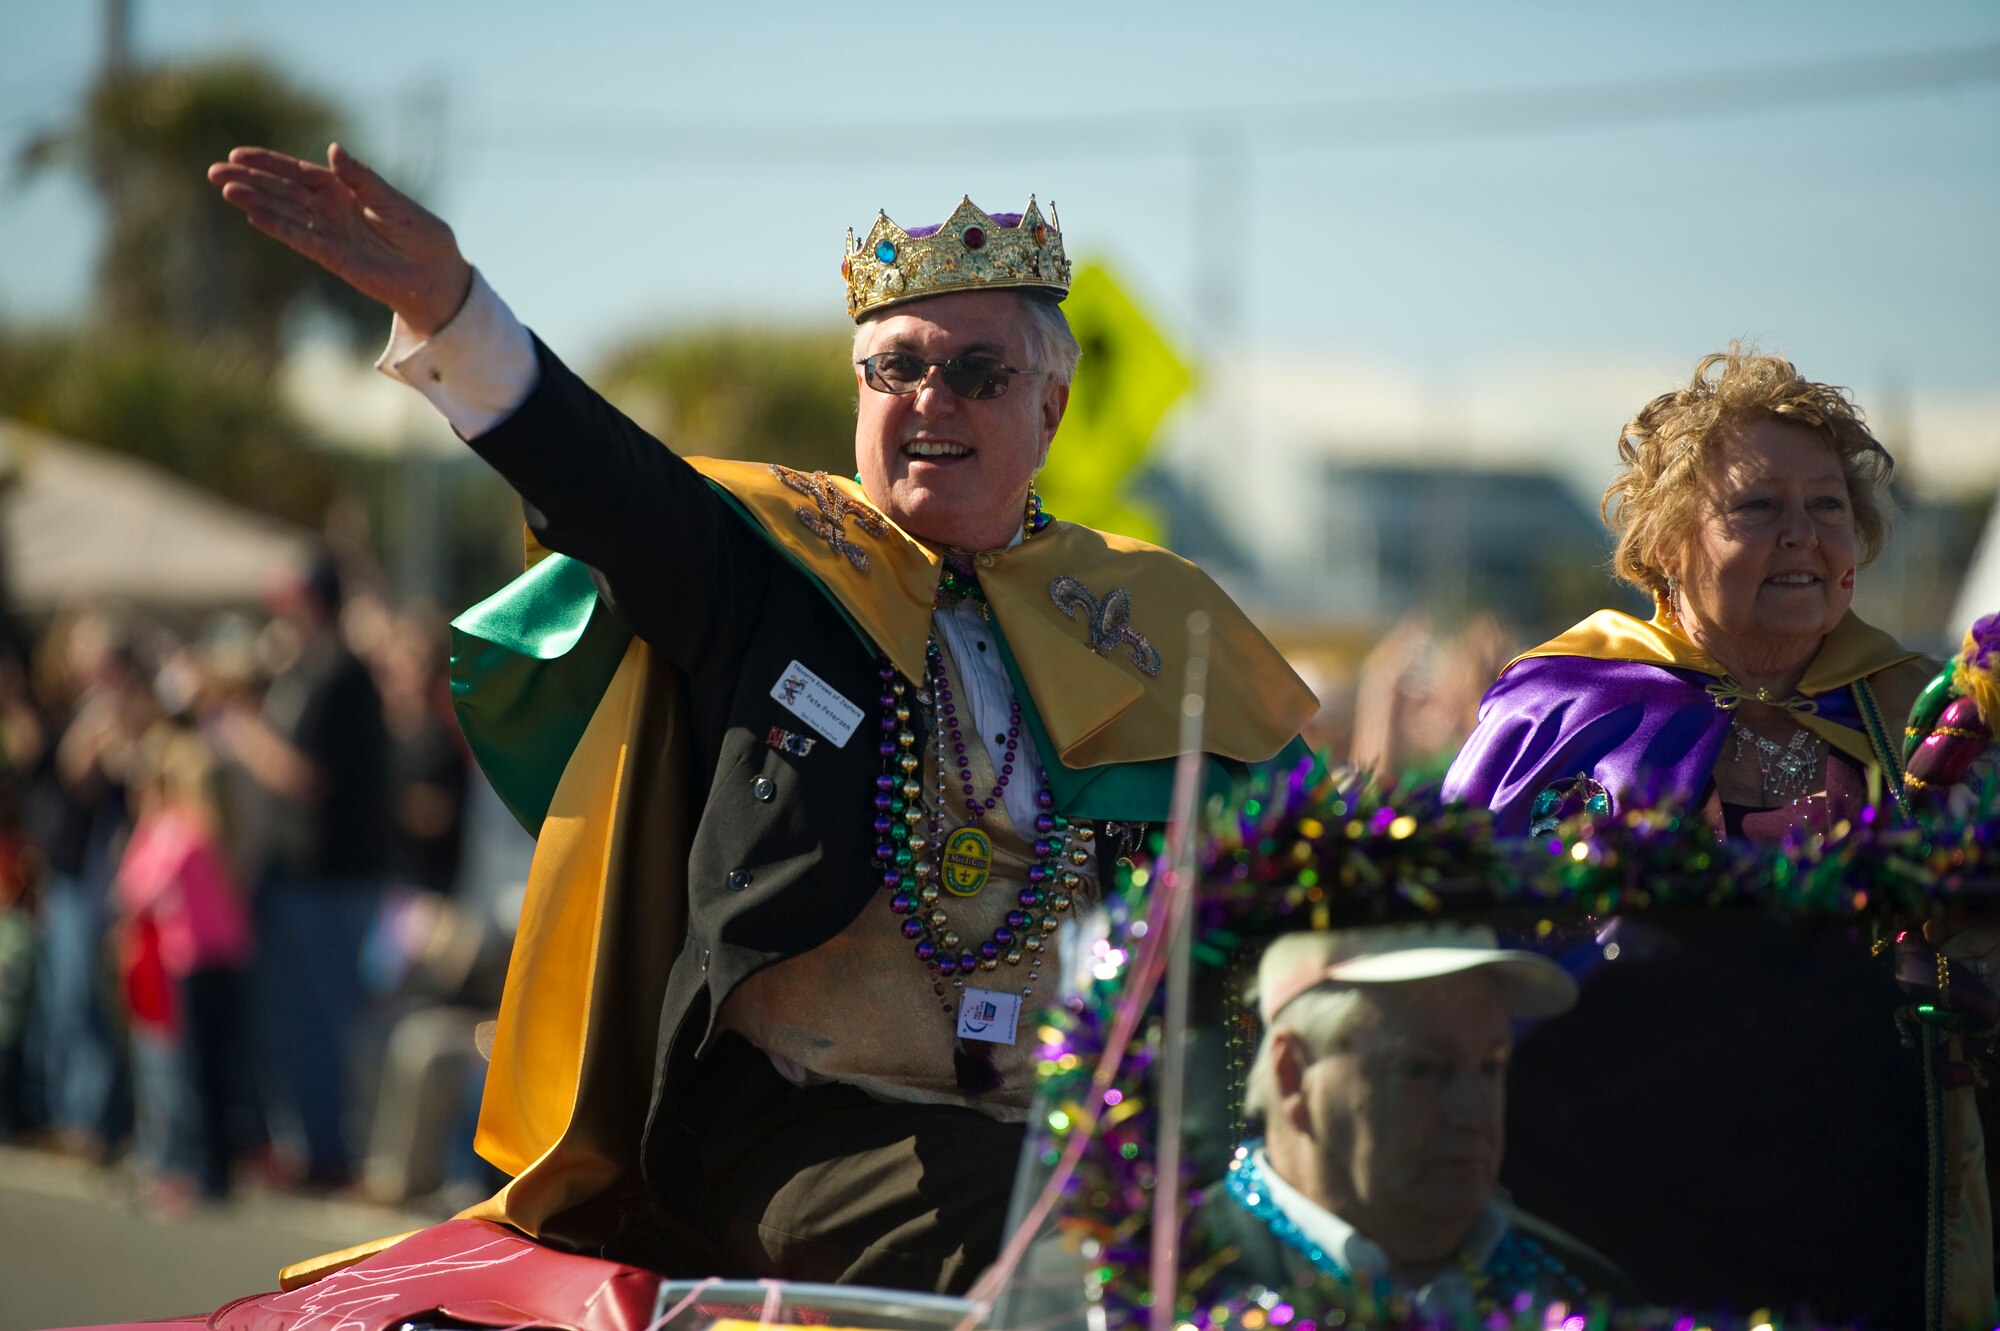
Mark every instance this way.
x=77 y=1247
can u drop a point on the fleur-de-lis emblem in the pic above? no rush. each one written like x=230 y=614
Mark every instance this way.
x=1109 y=620
x=832 y=508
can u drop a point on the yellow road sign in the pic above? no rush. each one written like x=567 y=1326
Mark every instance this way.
x=1127 y=380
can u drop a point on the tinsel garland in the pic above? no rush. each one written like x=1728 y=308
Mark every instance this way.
x=1318 y=847
x=1318 y=842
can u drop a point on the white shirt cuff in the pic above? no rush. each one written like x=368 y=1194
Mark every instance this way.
x=476 y=370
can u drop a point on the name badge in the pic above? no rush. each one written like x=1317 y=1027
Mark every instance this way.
x=817 y=703
x=988 y=1014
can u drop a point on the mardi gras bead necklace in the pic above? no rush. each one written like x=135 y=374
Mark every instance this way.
x=919 y=864
x=948 y=722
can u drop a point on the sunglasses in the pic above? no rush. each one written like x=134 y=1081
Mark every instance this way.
x=976 y=377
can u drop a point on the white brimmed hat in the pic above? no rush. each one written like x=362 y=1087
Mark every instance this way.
x=1398 y=953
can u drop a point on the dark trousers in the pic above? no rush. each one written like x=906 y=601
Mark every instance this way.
x=84 y=1070
x=212 y=1008
x=307 y=979
x=826 y=1183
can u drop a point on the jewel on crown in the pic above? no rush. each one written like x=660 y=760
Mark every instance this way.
x=972 y=251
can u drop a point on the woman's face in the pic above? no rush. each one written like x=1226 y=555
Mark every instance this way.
x=1769 y=567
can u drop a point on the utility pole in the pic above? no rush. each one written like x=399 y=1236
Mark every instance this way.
x=421 y=508
x=1218 y=158
x=114 y=62
x=116 y=56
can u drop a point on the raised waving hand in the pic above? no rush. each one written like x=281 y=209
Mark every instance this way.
x=354 y=224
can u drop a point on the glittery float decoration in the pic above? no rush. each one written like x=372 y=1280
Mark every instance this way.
x=1318 y=847
x=1952 y=726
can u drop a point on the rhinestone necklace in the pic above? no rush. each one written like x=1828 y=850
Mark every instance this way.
x=1784 y=772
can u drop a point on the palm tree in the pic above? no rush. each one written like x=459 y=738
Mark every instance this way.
x=174 y=261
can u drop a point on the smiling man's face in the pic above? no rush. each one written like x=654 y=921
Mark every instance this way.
x=949 y=469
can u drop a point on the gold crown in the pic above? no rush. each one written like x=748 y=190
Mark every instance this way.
x=972 y=251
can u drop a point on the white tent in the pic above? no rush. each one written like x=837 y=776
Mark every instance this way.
x=79 y=523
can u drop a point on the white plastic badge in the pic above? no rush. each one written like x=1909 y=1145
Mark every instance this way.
x=817 y=703
x=988 y=1014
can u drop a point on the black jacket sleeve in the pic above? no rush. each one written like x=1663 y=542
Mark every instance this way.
x=672 y=559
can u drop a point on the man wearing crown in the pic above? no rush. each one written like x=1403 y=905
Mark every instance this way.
x=820 y=769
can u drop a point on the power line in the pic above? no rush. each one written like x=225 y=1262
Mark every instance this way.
x=1325 y=125
x=1642 y=101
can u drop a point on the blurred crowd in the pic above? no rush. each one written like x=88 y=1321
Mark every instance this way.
x=238 y=938
x=245 y=932
x=1400 y=709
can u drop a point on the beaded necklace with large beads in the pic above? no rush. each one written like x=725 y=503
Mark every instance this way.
x=908 y=832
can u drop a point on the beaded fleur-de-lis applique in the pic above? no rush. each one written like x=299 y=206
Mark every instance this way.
x=828 y=518
x=1109 y=620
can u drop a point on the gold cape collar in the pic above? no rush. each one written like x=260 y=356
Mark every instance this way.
x=1854 y=650
x=1098 y=706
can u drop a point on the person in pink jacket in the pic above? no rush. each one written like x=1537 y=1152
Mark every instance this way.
x=184 y=941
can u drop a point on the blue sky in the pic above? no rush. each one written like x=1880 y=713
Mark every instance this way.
x=614 y=167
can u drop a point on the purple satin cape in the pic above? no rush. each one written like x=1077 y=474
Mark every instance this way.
x=1647 y=732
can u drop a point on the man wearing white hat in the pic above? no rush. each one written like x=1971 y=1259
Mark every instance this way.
x=1381 y=1085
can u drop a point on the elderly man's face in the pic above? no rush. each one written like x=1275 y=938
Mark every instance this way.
x=950 y=469
x=1406 y=1119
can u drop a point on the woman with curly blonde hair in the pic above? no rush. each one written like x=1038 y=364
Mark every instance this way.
x=1725 y=1063
x=1745 y=506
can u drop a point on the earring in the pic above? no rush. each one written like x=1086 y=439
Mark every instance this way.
x=1032 y=518
x=1670 y=603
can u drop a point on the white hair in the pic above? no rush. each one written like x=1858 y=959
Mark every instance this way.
x=1322 y=1018
x=1051 y=344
